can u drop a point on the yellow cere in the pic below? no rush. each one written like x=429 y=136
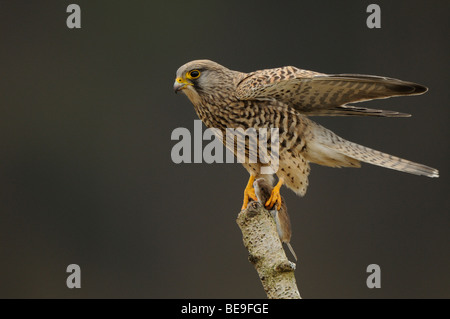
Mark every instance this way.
x=183 y=81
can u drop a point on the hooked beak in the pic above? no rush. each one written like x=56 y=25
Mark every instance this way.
x=180 y=84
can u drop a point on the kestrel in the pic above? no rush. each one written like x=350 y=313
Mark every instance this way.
x=284 y=98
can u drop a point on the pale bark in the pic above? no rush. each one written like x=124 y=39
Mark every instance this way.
x=266 y=252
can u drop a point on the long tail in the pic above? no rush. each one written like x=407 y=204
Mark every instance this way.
x=336 y=146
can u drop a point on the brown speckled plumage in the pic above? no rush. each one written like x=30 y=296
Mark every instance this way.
x=283 y=98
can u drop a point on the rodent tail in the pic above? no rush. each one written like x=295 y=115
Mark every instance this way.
x=292 y=250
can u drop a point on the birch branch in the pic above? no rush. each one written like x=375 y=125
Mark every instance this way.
x=266 y=252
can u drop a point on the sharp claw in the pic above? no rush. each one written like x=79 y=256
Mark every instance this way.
x=252 y=195
x=279 y=202
x=249 y=192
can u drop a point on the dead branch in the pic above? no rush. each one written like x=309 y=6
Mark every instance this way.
x=266 y=252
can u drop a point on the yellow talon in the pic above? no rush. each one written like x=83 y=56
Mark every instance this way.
x=275 y=196
x=249 y=192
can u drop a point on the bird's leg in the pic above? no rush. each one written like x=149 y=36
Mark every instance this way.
x=275 y=196
x=249 y=192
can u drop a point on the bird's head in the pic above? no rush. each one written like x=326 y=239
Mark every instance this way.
x=201 y=77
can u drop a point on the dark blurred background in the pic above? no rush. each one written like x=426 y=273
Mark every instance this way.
x=86 y=175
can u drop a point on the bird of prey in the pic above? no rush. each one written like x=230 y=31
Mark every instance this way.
x=285 y=98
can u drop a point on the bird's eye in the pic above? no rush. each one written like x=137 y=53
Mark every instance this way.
x=194 y=74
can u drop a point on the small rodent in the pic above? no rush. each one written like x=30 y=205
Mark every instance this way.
x=263 y=190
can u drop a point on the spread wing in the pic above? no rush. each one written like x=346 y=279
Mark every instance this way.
x=313 y=93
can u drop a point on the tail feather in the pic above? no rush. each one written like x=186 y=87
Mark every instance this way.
x=336 y=144
x=378 y=158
